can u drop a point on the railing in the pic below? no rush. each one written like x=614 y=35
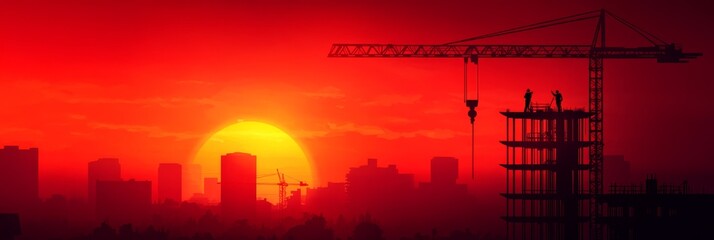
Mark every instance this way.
x=641 y=189
x=541 y=136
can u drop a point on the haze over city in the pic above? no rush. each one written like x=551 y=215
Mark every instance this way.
x=166 y=90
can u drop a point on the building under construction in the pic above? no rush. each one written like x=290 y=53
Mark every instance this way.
x=547 y=174
x=548 y=196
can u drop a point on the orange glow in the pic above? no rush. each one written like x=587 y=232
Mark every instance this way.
x=274 y=149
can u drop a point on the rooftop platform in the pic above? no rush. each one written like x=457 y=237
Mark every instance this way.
x=543 y=196
x=565 y=114
x=579 y=219
x=545 y=166
x=546 y=144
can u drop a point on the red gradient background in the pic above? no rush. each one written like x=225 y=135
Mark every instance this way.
x=148 y=82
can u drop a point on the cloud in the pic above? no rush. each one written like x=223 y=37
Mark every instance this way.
x=367 y=130
x=20 y=131
x=309 y=133
x=194 y=82
x=375 y=131
x=387 y=100
x=150 y=131
x=442 y=110
x=399 y=120
x=156 y=101
x=76 y=116
x=326 y=92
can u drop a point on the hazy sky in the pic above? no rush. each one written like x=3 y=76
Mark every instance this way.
x=148 y=82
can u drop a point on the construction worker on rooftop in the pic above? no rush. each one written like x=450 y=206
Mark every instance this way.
x=558 y=99
x=528 y=96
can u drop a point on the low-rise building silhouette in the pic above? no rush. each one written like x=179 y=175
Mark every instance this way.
x=103 y=169
x=120 y=202
x=330 y=201
x=379 y=190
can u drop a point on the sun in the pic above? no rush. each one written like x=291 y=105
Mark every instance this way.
x=273 y=148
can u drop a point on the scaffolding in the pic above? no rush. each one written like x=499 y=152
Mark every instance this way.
x=547 y=175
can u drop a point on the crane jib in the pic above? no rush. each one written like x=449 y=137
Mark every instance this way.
x=664 y=53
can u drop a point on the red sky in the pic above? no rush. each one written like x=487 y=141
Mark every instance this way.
x=148 y=82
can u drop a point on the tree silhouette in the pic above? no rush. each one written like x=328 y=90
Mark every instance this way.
x=313 y=229
x=367 y=230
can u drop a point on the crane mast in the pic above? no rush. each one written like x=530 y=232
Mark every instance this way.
x=595 y=52
x=282 y=187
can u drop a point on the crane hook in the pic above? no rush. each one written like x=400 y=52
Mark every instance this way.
x=472 y=104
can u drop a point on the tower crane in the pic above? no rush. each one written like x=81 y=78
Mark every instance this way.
x=282 y=187
x=596 y=51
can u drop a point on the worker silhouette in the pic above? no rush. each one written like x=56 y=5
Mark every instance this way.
x=528 y=96
x=558 y=99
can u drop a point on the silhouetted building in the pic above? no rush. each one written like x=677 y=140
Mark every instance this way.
x=120 y=202
x=294 y=202
x=199 y=198
x=444 y=170
x=656 y=212
x=169 y=182
x=379 y=190
x=546 y=175
x=103 y=169
x=263 y=210
x=192 y=180
x=238 y=186
x=330 y=201
x=9 y=226
x=617 y=171
x=212 y=190
x=449 y=204
x=18 y=179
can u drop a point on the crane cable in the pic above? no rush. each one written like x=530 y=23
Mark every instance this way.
x=466 y=99
x=473 y=143
x=539 y=25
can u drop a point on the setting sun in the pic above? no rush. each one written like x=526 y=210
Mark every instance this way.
x=274 y=149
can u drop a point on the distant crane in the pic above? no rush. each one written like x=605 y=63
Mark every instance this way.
x=282 y=187
x=595 y=52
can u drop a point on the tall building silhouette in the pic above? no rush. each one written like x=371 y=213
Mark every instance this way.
x=18 y=179
x=238 y=186
x=212 y=190
x=120 y=202
x=103 y=169
x=169 y=182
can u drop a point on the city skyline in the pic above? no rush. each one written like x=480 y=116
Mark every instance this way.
x=110 y=170
x=120 y=199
